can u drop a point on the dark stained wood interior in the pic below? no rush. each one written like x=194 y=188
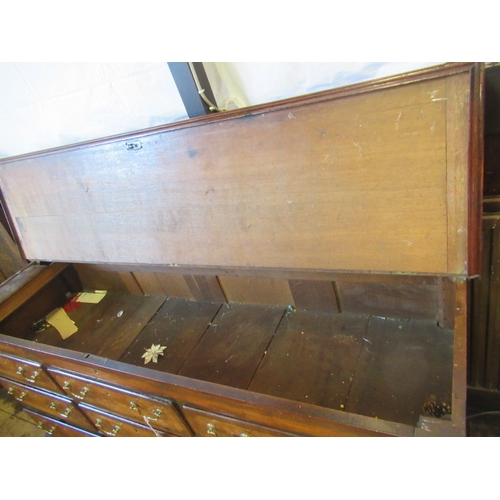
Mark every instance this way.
x=352 y=360
x=385 y=295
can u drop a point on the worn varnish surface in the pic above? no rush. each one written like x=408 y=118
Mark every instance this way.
x=358 y=363
x=233 y=346
x=178 y=325
x=231 y=192
x=403 y=364
x=107 y=328
x=398 y=300
x=331 y=343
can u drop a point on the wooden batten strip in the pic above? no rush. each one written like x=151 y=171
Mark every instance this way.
x=276 y=273
x=457 y=159
x=459 y=384
x=30 y=289
x=476 y=171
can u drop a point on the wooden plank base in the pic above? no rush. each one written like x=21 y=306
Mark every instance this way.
x=368 y=365
x=233 y=346
x=107 y=328
x=178 y=325
x=403 y=365
x=331 y=342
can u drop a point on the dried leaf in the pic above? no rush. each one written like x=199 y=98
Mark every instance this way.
x=152 y=353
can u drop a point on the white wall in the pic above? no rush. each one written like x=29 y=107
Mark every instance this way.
x=259 y=82
x=46 y=105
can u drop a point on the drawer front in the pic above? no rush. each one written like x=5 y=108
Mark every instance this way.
x=54 y=428
x=114 y=426
x=27 y=372
x=53 y=405
x=209 y=424
x=145 y=410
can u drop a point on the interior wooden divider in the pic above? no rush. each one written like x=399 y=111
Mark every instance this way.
x=387 y=295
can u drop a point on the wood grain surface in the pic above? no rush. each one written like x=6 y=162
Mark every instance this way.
x=179 y=326
x=402 y=366
x=385 y=171
x=232 y=348
x=331 y=343
x=107 y=328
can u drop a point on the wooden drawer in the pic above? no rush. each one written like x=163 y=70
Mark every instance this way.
x=209 y=424
x=113 y=426
x=27 y=372
x=55 y=428
x=53 y=405
x=156 y=412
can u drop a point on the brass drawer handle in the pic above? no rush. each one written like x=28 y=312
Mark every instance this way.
x=113 y=432
x=21 y=396
x=32 y=379
x=212 y=430
x=157 y=412
x=47 y=432
x=81 y=395
x=69 y=409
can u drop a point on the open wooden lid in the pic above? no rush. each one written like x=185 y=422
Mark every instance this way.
x=383 y=176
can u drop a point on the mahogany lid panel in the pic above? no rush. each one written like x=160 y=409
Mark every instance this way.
x=373 y=178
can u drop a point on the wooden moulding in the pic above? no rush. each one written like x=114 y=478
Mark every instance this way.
x=391 y=169
x=475 y=170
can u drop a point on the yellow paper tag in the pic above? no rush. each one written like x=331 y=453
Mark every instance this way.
x=91 y=297
x=62 y=322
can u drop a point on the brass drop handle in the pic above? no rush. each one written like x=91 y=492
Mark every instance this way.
x=32 y=379
x=81 y=395
x=157 y=412
x=49 y=432
x=212 y=430
x=53 y=406
x=113 y=432
x=21 y=396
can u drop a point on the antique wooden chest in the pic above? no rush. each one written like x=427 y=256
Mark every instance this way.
x=292 y=269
